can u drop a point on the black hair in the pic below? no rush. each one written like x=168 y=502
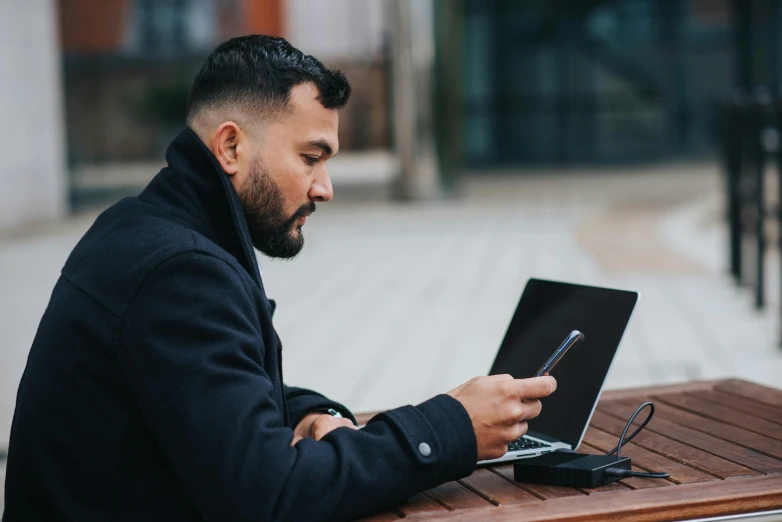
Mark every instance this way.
x=258 y=72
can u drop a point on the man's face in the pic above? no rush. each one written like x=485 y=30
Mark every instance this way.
x=286 y=173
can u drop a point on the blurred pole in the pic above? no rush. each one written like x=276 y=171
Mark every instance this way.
x=764 y=141
x=732 y=131
x=448 y=100
x=32 y=151
x=742 y=21
x=412 y=80
x=673 y=17
x=564 y=41
x=778 y=160
x=774 y=42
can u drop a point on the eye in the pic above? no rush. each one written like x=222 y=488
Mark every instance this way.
x=310 y=160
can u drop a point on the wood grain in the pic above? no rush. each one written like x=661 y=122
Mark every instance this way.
x=722 y=413
x=758 y=409
x=497 y=489
x=455 y=496
x=750 y=390
x=646 y=505
x=739 y=436
x=419 y=503
x=705 y=441
x=674 y=449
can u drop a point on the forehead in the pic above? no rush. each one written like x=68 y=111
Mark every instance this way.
x=308 y=118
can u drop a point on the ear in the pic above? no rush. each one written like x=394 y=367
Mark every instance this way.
x=227 y=137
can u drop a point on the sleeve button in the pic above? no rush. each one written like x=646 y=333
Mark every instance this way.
x=424 y=449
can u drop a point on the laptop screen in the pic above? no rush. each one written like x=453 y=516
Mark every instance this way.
x=547 y=312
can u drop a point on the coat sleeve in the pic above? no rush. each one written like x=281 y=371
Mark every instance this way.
x=190 y=351
x=302 y=401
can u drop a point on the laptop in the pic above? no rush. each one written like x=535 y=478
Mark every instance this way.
x=547 y=312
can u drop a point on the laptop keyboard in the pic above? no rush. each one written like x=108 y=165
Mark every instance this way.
x=523 y=443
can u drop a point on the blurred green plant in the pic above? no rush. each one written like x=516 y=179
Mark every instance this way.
x=164 y=100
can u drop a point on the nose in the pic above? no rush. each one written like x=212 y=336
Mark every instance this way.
x=321 y=189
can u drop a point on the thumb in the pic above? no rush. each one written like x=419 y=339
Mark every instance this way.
x=296 y=439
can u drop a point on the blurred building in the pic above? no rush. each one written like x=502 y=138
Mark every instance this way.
x=128 y=64
x=516 y=82
x=544 y=81
x=598 y=81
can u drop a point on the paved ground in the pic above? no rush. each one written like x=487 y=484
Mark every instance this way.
x=390 y=304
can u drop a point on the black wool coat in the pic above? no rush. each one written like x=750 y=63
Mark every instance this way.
x=153 y=389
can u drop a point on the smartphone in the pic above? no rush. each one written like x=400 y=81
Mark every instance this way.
x=560 y=352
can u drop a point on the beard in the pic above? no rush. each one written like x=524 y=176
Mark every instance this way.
x=271 y=231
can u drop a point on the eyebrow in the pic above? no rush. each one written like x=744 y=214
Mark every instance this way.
x=322 y=145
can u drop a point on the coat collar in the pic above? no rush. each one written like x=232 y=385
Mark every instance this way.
x=194 y=188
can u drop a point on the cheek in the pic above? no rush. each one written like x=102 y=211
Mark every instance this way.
x=293 y=181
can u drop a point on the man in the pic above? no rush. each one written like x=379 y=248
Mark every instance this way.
x=154 y=390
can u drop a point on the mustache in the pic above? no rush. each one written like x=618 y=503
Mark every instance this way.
x=303 y=211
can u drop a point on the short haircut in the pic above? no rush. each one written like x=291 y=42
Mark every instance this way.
x=258 y=72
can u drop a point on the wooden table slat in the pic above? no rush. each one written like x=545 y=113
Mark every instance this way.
x=419 y=503
x=456 y=496
x=632 y=393
x=648 y=460
x=498 y=489
x=740 y=436
x=750 y=390
x=758 y=409
x=674 y=449
x=682 y=502
x=611 y=487
x=723 y=413
x=539 y=490
x=707 y=442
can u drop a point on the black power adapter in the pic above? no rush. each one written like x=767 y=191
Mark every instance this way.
x=579 y=470
x=576 y=470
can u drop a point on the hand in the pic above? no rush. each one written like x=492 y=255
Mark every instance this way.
x=317 y=425
x=499 y=407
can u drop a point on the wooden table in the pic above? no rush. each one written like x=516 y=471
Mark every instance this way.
x=720 y=441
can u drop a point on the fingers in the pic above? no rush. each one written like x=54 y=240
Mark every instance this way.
x=500 y=444
x=326 y=424
x=501 y=377
x=532 y=409
x=479 y=381
x=512 y=412
x=521 y=430
x=535 y=387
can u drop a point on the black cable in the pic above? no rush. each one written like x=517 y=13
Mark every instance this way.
x=618 y=472
x=622 y=440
